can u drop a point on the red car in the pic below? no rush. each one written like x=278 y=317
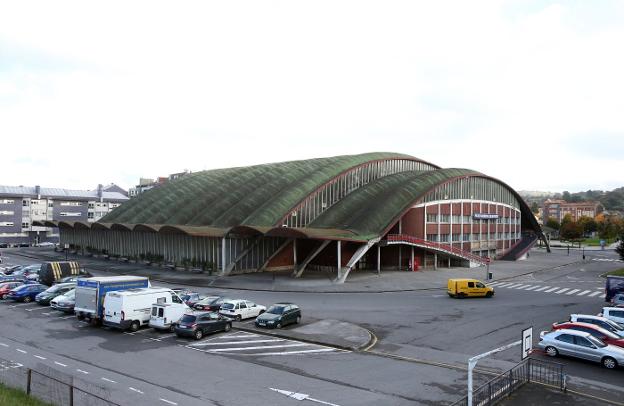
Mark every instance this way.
x=6 y=287
x=600 y=333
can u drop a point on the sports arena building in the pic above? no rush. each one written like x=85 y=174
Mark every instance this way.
x=372 y=211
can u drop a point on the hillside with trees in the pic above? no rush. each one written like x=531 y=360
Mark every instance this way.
x=611 y=200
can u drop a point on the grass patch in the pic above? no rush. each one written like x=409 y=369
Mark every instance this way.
x=16 y=397
x=617 y=272
x=595 y=242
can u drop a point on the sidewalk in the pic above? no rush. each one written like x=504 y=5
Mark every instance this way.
x=357 y=282
x=538 y=395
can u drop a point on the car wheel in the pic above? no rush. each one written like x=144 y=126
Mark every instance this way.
x=609 y=363
x=171 y=328
x=134 y=326
x=199 y=334
x=238 y=317
x=261 y=311
x=278 y=325
x=488 y=295
x=228 y=326
x=551 y=351
x=27 y=299
x=298 y=320
x=80 y=316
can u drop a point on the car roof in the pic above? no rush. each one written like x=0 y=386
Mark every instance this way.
x=581 y=324
x=284 y=304
x=587 y=316
x=572 y=332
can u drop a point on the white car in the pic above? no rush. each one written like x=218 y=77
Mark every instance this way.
x=241 y=309
x=615 y=314
x=603 y=322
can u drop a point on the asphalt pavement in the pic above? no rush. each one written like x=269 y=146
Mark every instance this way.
x=421 y=339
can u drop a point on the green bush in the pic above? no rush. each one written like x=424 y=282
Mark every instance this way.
x=15 y=397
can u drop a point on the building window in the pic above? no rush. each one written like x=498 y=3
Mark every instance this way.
x=467 y=219
x=444 y=237
x=70 y=214
x=6 y=212
x=50 y=204
x=455 y=237
x=432 y=237
x=6 y=224
x=432 y=218
x=7 y=201
x=25 y=225
x=24 y=202
x=475 y=237
x=90 y=215
x=75 y=204
x=466 y=237
x=91 y=205
x=445 y=218
x=456 y=218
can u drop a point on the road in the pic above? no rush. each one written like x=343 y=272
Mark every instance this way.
x=431 y=332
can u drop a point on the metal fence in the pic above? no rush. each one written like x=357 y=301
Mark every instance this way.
x=53 y=386
x=529 y=370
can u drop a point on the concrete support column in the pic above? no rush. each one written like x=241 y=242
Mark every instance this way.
x=412 y=259
x=295 y=253
x=223 y=264
x=378 y=258
x=339 y=255
x=435 y=261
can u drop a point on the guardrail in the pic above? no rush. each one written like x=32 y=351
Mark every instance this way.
x=438 y=246
x=529 y=370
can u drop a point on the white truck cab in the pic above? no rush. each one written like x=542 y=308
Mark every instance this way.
x=166 y=315
x=132 y=308
x=615 y=314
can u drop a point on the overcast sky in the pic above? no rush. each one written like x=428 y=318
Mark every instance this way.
x=530 y=92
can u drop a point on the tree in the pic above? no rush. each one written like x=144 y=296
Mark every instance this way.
x=620 y=247
x=534 y=208
x=553 y=223
x=589 y=225
x=566 y=219
x=566 y=196
x=571 y=231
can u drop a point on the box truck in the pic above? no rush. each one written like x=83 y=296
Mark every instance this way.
x=613 y=286
x=90 y=293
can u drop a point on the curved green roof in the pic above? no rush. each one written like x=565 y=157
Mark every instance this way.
x=257 y=195
x=370 y=210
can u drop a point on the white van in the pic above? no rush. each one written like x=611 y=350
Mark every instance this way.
x=615 y=314
x=132 y=308
x=166 y=315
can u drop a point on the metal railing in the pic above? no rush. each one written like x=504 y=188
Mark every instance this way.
x=530 y=370
x=402 y=238
x=57 y=390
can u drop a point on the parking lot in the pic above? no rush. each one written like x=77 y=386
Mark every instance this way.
x=428 y=335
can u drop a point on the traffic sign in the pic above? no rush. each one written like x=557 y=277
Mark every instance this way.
x=527 y=342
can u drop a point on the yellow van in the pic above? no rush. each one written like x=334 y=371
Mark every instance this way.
x=468 y=288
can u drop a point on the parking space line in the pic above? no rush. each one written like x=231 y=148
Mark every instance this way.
x=168 y=401
x=573 y=291
x=20 y=350
x=40 y=357
x=4 y=345
x=108 y=380
x=248 y=335
x=136 y=390
x=584 y=292
x=542 y=288
x=82 y=372
x=258 y=347
x=67 y=317
x=237 y=342
x=303 y=351
x=22 y=304
x=36 y=309
x=58 y=363
x=550 y=290
x=562 y=290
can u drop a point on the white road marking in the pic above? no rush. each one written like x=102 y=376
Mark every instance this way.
x=542 y=288
x=595 y=294
x=562 y=290
x=39 y=356
x=136 y=390
x=22 y=351
x=236 y=336
x=550 y=290
x=82 y=372
x=168 y=401
x=302 y=352
x=502 y=285
x=108 y=380
x=236 y=342
x=522 y=286
x=258 y=347
x=584 y=292
x=67 y=317
x=532 y=287
x=58 y=363
x=46 y=314
x=36 y=309
x=23 y=304
x=4 y=345
x=494 y=283
x=573 y=291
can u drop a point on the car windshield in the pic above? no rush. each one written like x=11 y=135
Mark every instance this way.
x=276 y=309
x=614 y=325
x=71 y=294
x=596 y=342
x=210 y=300
x=54 y=289
x=188 y=318
x=227 y=306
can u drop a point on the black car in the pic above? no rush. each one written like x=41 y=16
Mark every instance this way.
x=190 y=298
x=11 y=269
x=197 y=325
x=45 y=297
x=279 y=315
x=210 y=303
x=73 y=278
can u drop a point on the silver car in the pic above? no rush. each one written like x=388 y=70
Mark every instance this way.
x=65 y=303
x=580 y=344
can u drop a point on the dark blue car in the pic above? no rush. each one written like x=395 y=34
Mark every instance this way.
x=26 y=293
